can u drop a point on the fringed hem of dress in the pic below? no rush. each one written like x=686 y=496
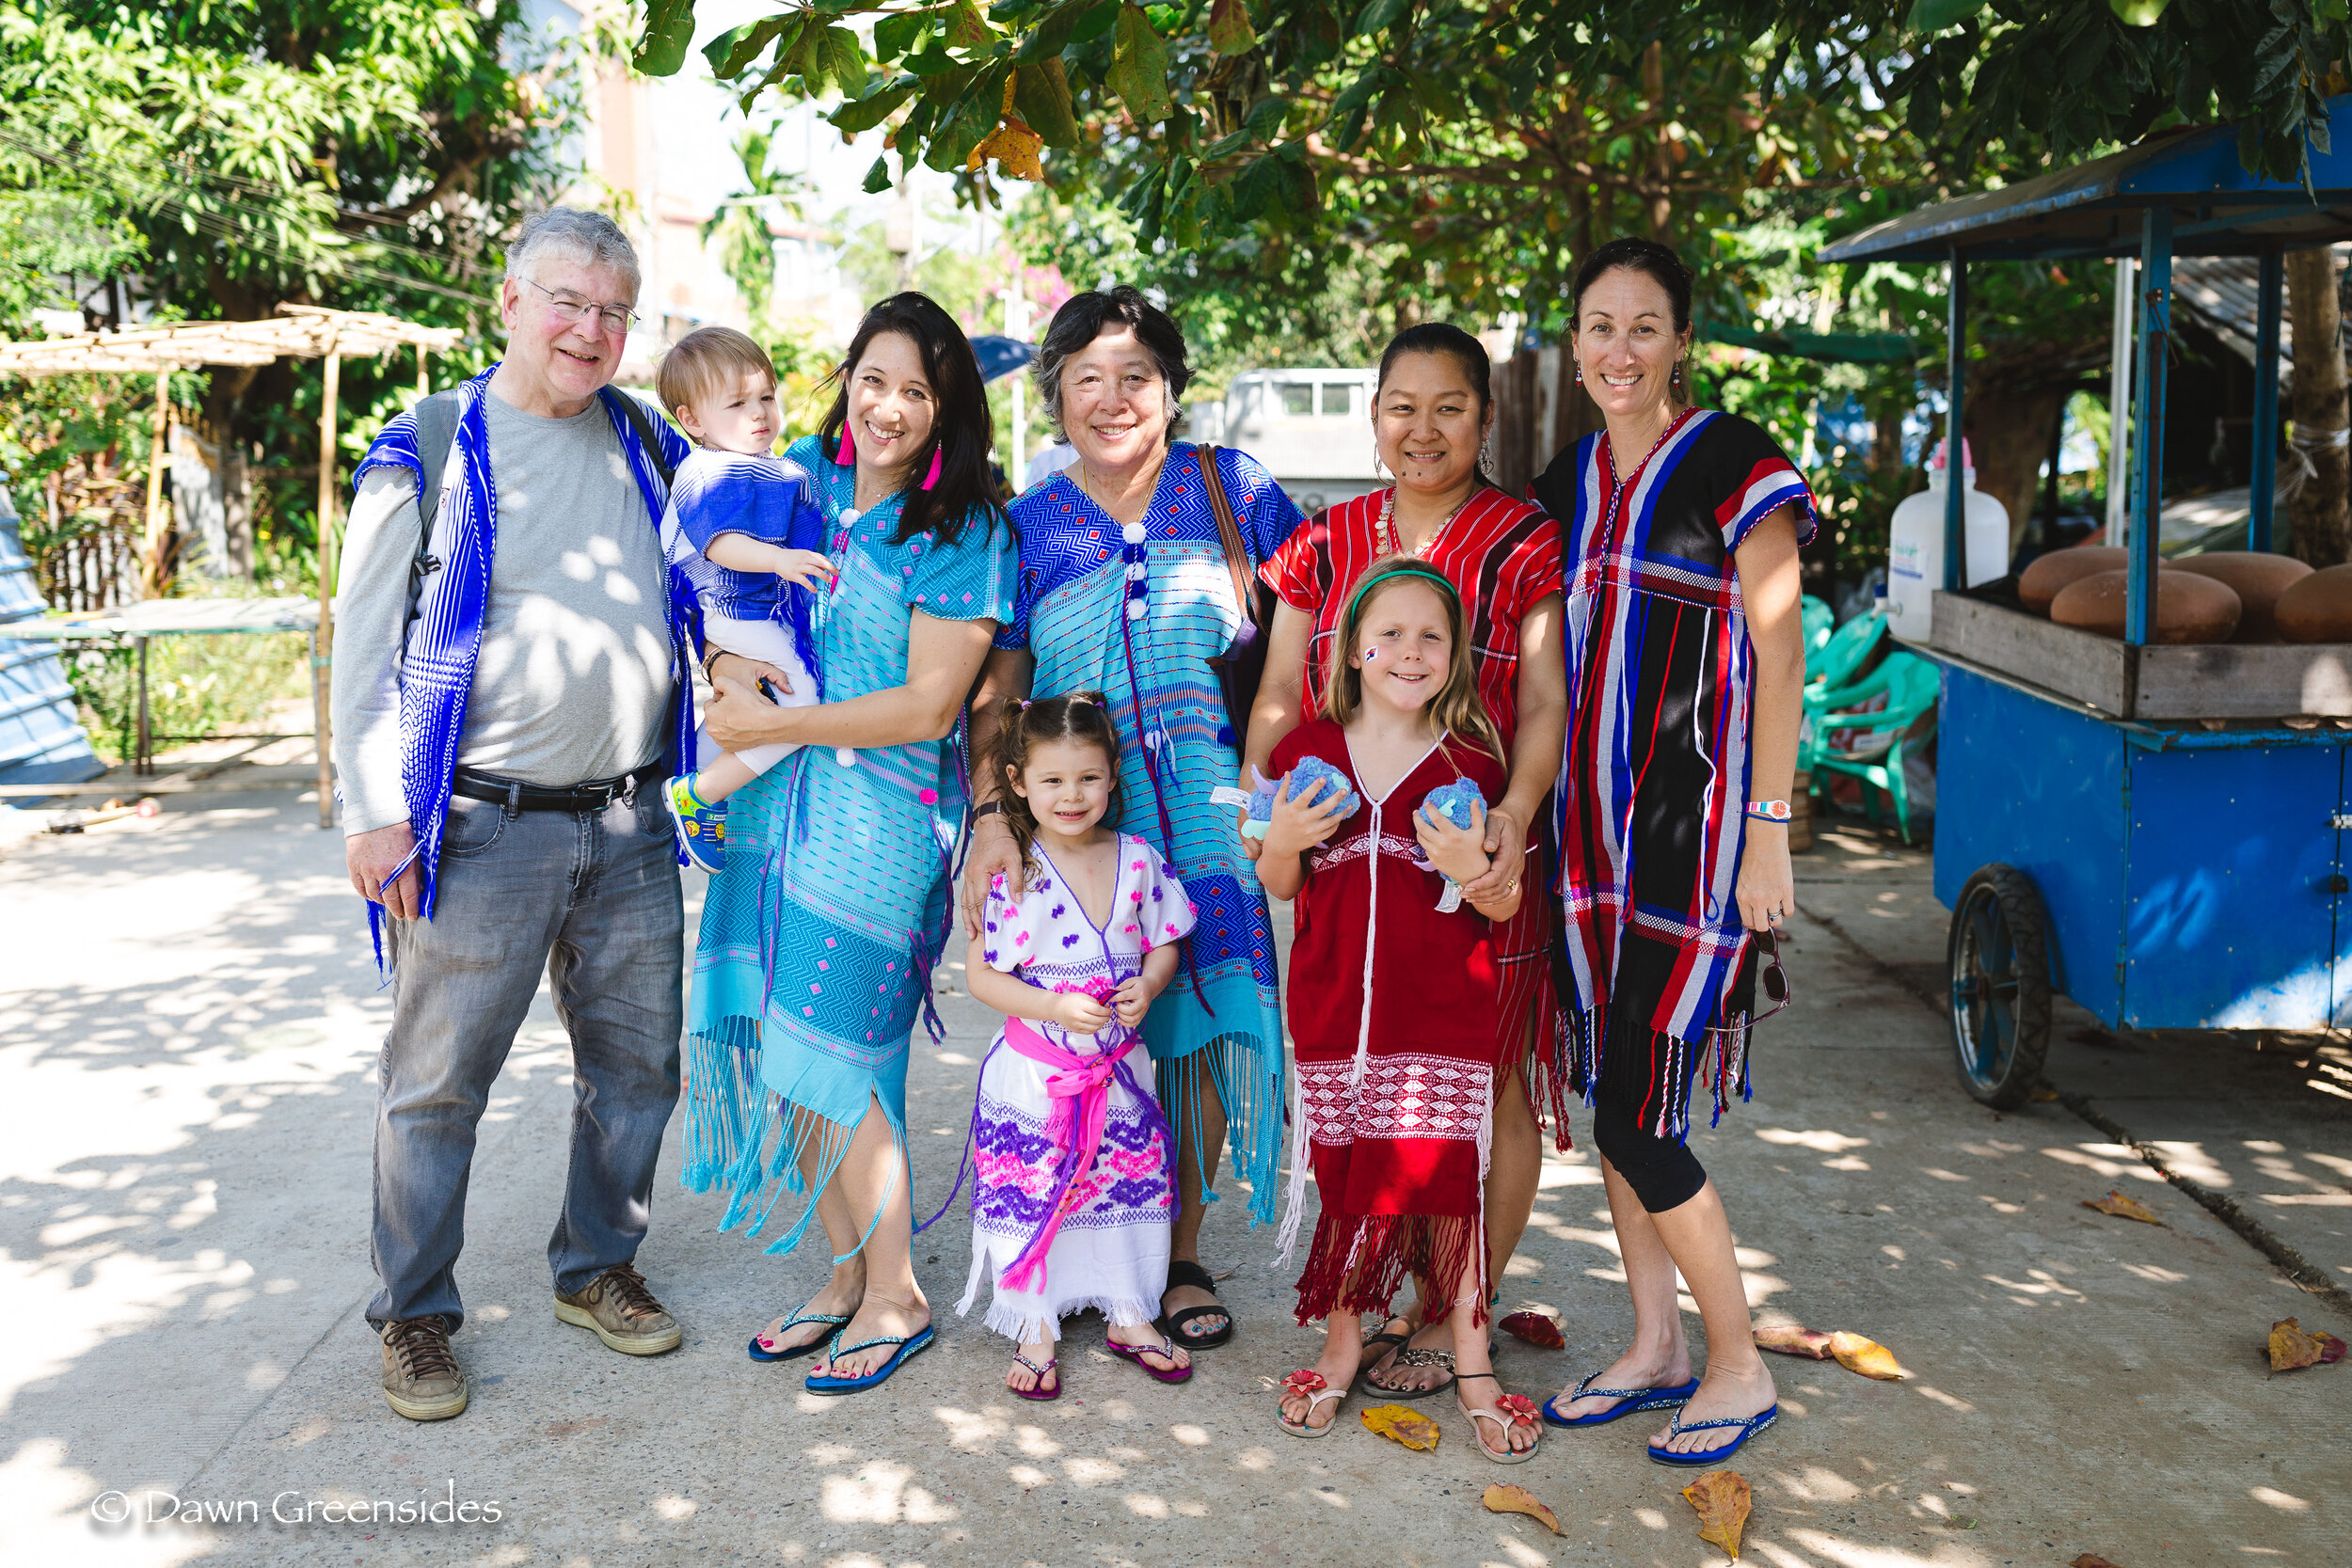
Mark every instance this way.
x=1358 y=1262
x=1256 y=1098
x=1720 y=1052
x=1014 y=1323
x=733 y=1119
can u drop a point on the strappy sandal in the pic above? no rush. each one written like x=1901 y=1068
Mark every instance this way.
x=1309 y=1383
x=1040 y=1392
x=1749 y=1426
x=1184 y=1272
x=830 y=1319
x=1508 y=1410
x=1135 y=1354
x=1364 y=1364
x=907 y=1344
x=1416 y=1355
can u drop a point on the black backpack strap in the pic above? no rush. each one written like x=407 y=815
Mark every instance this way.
x=639 y=416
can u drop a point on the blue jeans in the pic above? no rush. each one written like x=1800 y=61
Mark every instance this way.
x=591 y=899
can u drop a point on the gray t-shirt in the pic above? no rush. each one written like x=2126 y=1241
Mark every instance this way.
x=574 y=676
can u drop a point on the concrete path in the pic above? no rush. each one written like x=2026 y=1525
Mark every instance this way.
x=187 y=1025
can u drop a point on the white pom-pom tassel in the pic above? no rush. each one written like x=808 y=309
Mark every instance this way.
x=1136 y=572
x=845 y=756
x=1135 y=610
x=1134 y=533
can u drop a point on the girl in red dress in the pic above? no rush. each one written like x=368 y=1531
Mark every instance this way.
x=1395 y=1095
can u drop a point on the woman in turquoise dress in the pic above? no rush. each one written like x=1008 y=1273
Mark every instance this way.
x=818 y=941
x=1124 y=589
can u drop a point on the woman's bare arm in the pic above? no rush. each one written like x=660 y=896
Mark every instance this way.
x=1542 y=695
x=943 y=656
x=1008 y=673
x=1772 y=591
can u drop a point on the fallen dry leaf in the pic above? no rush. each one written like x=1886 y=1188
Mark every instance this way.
x=1537 y=1328
x=1866 y=1356
x=1795 y=1342
x=2123 y=1208
x=2291 y=1348
x=1518 y=1499
x=1400 y=1425
x=2093 y=1560
x=1722 y=1499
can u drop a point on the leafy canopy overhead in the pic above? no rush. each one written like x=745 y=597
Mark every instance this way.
x=1232 y=112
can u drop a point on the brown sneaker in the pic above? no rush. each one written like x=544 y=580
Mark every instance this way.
x=421 y=1376
x=622 y=1313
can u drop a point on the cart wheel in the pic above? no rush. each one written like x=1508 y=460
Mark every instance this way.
x=2000 y=986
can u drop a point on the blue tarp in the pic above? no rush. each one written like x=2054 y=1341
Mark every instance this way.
x=40 y=740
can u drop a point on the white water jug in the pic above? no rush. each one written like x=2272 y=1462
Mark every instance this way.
x=1915 y=546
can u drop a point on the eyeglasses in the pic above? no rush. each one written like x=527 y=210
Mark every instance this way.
x=570 y=308
x=1774 y=978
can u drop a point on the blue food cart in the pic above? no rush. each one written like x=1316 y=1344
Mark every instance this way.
x=2157 y=831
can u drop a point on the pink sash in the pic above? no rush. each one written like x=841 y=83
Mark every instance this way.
x=1081 y=1090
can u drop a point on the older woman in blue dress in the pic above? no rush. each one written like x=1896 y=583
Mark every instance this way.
x=818 y=939
x=1124 y=589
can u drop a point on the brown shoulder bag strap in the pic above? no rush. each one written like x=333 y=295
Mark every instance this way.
x=1229 y=532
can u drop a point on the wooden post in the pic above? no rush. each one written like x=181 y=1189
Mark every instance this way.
x=323 y=661
x=2152 y=340
x=151 y=564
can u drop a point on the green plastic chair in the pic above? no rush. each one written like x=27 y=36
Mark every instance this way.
x=1843 y=652
x=1820 y=622
x=1910 y=684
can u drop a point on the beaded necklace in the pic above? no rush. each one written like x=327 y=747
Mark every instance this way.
x=1386 y=536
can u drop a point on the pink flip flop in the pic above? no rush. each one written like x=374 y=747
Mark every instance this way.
x=1041 y=1392
x=1137 y=1353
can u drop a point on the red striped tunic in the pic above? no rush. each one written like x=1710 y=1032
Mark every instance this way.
x=1503 y=556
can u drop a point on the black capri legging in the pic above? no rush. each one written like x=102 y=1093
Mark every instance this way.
x=1662 y=1172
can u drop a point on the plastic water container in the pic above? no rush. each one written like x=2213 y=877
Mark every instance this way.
x=1914 y=550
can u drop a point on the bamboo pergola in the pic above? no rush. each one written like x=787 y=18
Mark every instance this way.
x=297 y=331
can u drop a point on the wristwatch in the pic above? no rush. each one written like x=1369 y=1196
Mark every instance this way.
x=1769 y=811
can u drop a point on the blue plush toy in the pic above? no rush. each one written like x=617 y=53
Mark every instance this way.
x=1455 y=802
x=1311 y=780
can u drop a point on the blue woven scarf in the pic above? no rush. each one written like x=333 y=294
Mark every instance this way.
x=445 y=638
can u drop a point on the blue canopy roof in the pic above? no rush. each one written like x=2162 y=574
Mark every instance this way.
x=1000 y=356
x=2093 y=209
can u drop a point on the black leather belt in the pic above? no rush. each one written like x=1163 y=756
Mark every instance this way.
x=596 y=795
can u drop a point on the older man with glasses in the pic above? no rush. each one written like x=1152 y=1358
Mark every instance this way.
x=511 y=684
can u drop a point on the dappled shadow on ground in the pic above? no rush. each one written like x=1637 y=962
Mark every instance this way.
x=185 y=1197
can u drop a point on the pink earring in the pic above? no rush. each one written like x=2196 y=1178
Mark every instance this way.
x=932 y=478
x=848 y=457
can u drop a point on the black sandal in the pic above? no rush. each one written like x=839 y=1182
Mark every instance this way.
x=1364 y=1364
x=1180 y=1272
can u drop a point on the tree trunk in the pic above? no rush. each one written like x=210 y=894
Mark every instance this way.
x=2323 y=528
x=2009 y=434
x=1659 y=207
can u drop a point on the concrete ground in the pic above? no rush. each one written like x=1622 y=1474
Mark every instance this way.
x=188 y=1016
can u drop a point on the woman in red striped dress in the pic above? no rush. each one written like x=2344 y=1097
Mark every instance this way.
x=1433 y=409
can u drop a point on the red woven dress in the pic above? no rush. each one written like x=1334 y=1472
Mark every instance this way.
x=1394 y=1010
x=1503 y=556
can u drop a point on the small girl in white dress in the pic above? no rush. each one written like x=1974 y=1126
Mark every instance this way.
x=1075 y=1182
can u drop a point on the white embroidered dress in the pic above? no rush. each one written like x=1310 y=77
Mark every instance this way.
x=1110 y=1252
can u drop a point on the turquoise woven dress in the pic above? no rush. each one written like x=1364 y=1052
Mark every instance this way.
x=1137 y=618
x=818 y=938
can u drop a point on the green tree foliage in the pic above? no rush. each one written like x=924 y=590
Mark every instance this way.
x=370 y=154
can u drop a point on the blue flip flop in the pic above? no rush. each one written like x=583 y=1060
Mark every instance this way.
x=1749 y=1426
x=757 y=1353
x=1635 y=1399
x=908 y=1345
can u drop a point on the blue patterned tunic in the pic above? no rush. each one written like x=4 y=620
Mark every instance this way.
x=1069 y=614
x=818 y=938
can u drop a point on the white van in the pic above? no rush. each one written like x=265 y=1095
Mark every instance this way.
x=1311 y=427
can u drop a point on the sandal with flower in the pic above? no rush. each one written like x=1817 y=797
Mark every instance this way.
x=1310 y=1385
x=1509 y=1410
